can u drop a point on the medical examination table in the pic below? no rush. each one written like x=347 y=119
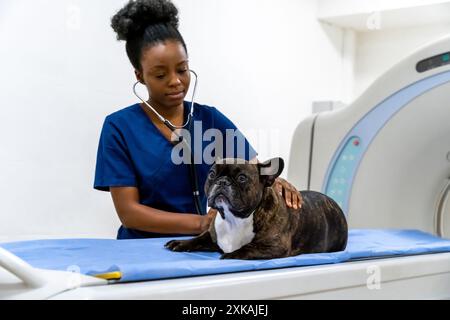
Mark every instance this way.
x=385 y=159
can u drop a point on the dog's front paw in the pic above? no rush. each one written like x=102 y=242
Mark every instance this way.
x=232 y=255
x=178 y=245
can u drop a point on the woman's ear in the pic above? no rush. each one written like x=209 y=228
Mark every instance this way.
x=139 y=76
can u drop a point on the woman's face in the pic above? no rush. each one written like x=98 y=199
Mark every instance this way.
x=165 y=72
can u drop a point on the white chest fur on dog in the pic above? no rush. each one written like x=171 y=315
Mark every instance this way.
x=233 y=233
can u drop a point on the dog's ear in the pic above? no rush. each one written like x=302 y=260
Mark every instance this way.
x=270 y=170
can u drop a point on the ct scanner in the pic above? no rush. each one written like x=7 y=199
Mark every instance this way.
x=385 y=158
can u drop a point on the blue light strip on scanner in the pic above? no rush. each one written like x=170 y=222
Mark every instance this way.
x=341 y=172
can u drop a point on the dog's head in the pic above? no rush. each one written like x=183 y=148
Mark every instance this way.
x=238 y=185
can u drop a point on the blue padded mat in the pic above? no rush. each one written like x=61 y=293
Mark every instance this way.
x=147 y=259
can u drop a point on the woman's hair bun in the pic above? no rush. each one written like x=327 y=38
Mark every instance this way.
x=136 y=16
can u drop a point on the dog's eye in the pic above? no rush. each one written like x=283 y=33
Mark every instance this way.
x=211 y=175
x=242 y=178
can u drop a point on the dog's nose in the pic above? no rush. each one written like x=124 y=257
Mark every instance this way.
x=223 y=182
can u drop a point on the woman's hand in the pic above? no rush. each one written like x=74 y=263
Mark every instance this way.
x=207 y=219
x=291 y=195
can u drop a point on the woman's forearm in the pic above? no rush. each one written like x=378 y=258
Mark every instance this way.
x=144 y=218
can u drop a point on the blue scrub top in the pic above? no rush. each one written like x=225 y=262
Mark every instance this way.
x=132 y=152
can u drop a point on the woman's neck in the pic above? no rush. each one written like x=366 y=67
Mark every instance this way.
x=174 y=114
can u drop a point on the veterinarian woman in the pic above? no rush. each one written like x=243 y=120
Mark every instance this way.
x=153 y=195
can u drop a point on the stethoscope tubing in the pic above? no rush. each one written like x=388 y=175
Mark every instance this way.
x=169 y=124
x=172 y=127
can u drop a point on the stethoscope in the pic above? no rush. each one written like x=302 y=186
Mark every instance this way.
x=164 y=120
x=172 y=127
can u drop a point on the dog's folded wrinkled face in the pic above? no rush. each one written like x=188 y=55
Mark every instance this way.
x=238 y=185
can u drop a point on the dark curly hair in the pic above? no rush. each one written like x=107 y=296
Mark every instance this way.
x=144 y=23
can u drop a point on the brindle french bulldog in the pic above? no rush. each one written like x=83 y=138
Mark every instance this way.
x=254 y=221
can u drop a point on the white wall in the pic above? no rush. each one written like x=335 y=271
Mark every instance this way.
x=260 y=62
x=378 y=50
x=378 y=34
